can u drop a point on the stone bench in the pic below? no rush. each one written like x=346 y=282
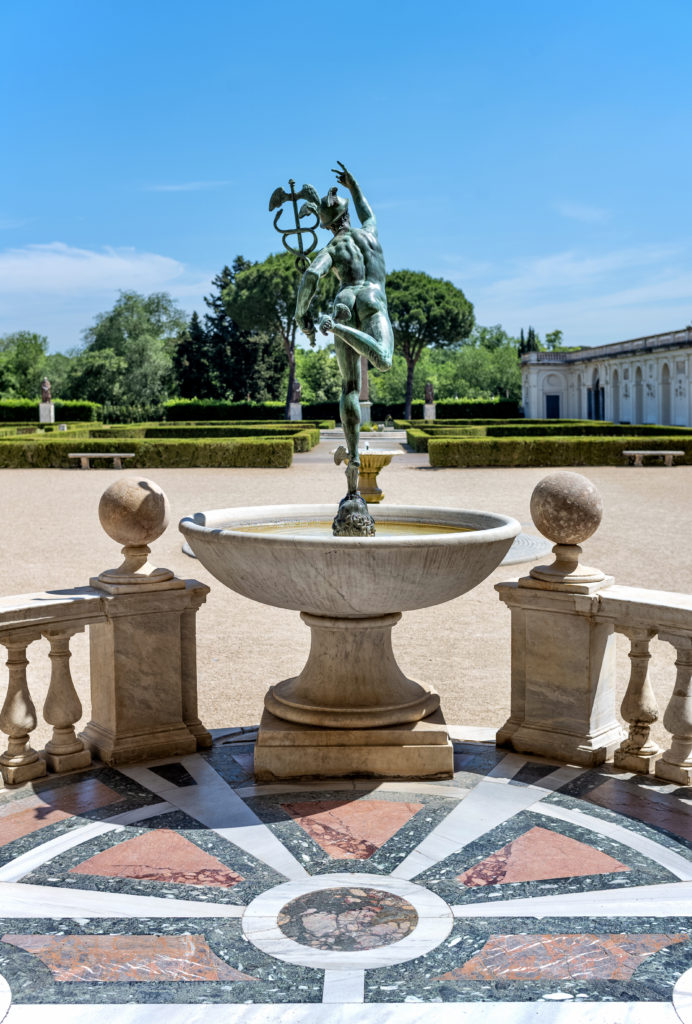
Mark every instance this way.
x=635 y=458
x=117 y=458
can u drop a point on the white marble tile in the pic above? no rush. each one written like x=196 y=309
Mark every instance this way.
x=668 y=900
x=487 y=805
x=32 y=859
x=5 y=998
x=47 y=901
x=343 y=987
x=216 y=805
x=472 y=733
x=682 y=997
x=549 y=1012
x=669 y=859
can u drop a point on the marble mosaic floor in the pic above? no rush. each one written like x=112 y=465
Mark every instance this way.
x=520 y=891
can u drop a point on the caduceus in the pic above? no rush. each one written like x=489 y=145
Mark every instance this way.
x=278 y=197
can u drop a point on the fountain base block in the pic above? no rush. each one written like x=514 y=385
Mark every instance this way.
x=412 y=750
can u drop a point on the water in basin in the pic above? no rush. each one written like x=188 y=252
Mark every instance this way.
x=323 y=528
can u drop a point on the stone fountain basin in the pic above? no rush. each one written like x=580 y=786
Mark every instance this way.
x=349 y=577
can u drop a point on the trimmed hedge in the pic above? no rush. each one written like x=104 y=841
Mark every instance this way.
x=418 y=439
x=584 y=430
x=53 y=453
x=447 y=408
x=25 y=410
x=303 y=438
x=546 y=451
x=206 y=410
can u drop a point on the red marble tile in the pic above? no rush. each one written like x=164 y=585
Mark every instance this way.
x=127 y=958
x=561 y=957
x=21 y=817
x=645 y=805
x=354 y=830
x=160 y=856
x=539 y=854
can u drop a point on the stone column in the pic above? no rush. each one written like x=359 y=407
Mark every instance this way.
x=143 y=664
x=62 y=708
x=563 y=653
x=675 y=763
x=20 y=762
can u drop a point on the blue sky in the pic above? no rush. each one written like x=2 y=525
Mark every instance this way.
x=537 y=154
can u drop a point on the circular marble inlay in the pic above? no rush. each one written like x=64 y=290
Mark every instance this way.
x=347 y=919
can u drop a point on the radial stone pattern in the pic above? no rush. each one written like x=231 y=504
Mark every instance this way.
x=519 y=890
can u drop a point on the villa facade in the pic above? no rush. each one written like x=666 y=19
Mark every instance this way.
x=645 y=380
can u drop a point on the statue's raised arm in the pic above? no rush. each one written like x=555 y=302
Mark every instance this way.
x=362 y=206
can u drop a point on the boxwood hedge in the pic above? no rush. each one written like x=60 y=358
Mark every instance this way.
x=53 y=453
x=546 y=451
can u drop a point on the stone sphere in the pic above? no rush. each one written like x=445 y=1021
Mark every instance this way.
x=566 y=508
x=134 y=510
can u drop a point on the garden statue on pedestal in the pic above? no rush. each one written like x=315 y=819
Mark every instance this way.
x=46 y=409
x=359 y=322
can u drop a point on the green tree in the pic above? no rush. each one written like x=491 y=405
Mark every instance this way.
x=319 y=374
x=144 y=331
x=553 y=340
x=191 y=362
x=245 y=364
x=425 y=312
x=22 y=364
x=262 y=300
x=98 y=376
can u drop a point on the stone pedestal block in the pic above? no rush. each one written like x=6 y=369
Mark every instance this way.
x=429 y=411
x=365 y=408
x=46 y=412
x=351 y=679
x=143 y=677
x=563 y=676
x=415 y=750
x=295 y=411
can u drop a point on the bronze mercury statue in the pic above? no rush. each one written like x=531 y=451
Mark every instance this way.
x=359 y=321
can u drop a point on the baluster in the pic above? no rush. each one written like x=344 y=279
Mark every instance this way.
x=62 y=708
x=20 y=762
x=675 y=764
x=638 y=752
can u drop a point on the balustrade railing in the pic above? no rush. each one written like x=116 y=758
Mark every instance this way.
x=642 y=615
x=142 y=648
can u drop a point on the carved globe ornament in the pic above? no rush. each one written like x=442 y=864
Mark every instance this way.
x=567 y=509
x=134 y=511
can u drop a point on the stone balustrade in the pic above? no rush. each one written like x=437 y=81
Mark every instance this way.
x=564 y=620
x=143 y=676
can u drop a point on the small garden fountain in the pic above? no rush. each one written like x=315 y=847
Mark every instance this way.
x=351 y=711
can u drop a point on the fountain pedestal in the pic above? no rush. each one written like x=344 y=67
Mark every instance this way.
x=412 y=750
x=351 y=710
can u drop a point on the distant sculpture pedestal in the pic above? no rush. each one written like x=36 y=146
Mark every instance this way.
x=429 y=411
x=365 y=408
x=46 y=412
x=295 y=411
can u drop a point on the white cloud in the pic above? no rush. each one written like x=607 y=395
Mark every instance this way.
x=582 y=212
x=57 y=289
x=57 y=267
x=594 y=298
x=187 y=186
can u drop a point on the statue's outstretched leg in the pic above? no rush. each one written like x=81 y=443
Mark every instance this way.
x=375 y=341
